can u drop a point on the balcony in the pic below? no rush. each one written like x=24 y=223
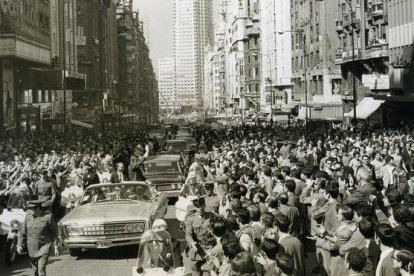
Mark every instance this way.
x=377 y=48
x=252 y=32
x=377 y=8
x=338 y=55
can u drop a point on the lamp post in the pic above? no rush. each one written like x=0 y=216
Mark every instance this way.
x=354 y=94
x=302 y=33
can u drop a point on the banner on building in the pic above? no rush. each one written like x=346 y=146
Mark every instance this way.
x=8 y=95
x=376 y=81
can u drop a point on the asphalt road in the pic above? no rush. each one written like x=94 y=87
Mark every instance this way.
x=112 y=261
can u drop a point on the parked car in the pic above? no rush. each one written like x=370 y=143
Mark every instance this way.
x=111 y=214
x=166 y=172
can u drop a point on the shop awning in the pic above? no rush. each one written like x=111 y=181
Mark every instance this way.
x=365 y=108
x=278 y=118
x=81 y=124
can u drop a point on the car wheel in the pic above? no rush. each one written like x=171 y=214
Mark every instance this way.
x=75 y=252
x=11 y=251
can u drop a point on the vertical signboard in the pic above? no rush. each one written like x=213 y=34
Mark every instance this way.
x=8 y=95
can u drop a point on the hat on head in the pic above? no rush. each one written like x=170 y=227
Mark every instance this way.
x=159 y=222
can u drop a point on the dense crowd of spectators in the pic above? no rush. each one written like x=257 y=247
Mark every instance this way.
x=279 y=197
x=268 y=196
x=30 y=163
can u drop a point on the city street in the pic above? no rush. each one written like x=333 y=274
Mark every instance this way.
x=113 y=261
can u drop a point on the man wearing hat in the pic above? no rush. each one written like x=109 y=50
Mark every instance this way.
x=194 y=225
x=39 y=230
x=46 y=188
x=212 y=201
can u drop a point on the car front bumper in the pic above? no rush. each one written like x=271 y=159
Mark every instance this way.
x=99 y=243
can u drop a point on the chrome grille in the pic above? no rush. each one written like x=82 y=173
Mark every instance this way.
x=107 y=229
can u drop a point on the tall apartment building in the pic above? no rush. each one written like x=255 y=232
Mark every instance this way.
x=31 y=64
x=401 y=45
x=193 y=31
x=166 y=82
x=138 y=89
x=214 y=67
x=366 y=22
x=315 y=74
x=252 y=55
x=235 y=33
x=97 y=58
x=276 y=53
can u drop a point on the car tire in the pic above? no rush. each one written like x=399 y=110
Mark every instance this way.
x=75 y=252
x=11 y=251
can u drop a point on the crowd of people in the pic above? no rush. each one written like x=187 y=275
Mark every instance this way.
x=269 y=198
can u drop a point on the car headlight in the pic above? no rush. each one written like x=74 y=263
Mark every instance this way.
x=74 y=230
x=138 y=227
x=173 y=186
x=15 y=225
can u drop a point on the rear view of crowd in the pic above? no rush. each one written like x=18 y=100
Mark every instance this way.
x=268 y=205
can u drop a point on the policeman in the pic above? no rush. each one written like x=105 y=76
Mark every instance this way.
x=39 y=230
x=212 y=200
x=195 y=224
x=46 y=189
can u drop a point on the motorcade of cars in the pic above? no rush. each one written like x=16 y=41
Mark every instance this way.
x=176 y=146
x=110 y=215
x=166 y=172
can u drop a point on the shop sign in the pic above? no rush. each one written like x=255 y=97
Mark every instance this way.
x=376 y=81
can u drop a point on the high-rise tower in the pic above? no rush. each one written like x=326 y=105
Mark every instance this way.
x=193 y=31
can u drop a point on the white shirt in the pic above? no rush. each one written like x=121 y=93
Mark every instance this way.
x=384 y=254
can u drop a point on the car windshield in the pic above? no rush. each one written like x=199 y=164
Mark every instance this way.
x=161 y=167
x=112 y=192
x=177 y=146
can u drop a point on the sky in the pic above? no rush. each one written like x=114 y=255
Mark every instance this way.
x=158 y=26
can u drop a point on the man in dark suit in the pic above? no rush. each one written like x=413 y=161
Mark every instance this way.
x=118 y=175
x=365 y=188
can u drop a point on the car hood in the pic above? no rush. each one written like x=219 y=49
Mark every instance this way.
x=109 y=212
x=163 y=178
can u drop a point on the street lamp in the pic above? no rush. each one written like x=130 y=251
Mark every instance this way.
x=353 y=60
x=302 y=32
